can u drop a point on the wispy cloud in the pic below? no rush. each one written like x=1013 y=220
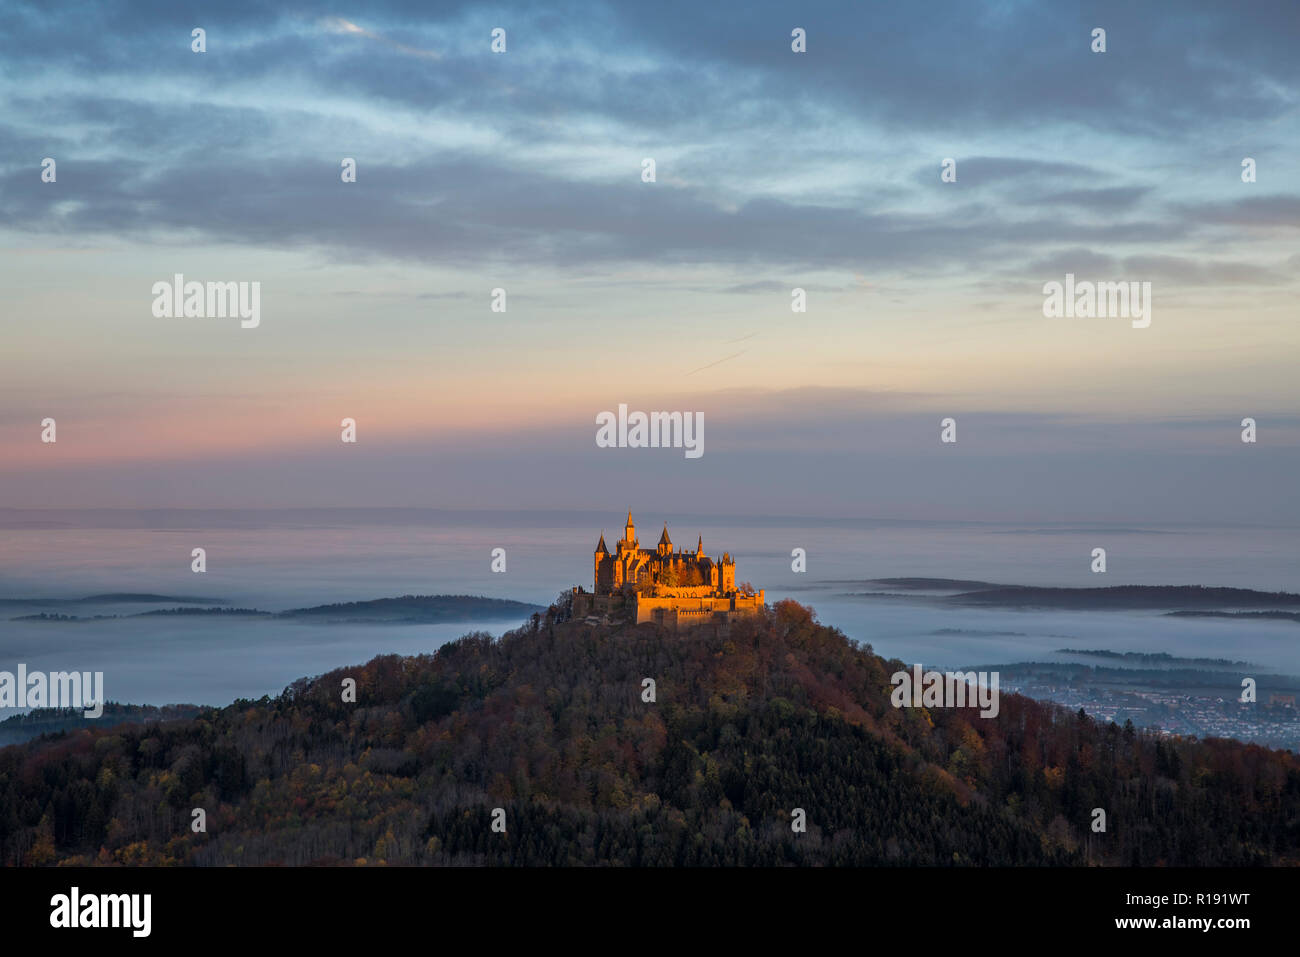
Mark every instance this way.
x=340 y=25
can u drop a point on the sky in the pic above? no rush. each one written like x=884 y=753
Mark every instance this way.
x=522 y=170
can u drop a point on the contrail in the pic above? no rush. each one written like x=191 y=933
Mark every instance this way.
x=712 y=364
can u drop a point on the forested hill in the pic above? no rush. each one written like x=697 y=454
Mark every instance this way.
x=548 y=724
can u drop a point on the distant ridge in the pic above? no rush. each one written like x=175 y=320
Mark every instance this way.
x=1252 y=615
x=935 y=584
x=1186 y=598
x=418 y=608
x=143 y=598
x=1129 y=596
x=408 y=609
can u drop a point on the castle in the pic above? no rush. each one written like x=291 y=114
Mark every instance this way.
x=662 y=585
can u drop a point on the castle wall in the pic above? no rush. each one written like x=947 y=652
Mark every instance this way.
x=675 y=611
x=684 y=591
x=585 y=603
x=671 y=611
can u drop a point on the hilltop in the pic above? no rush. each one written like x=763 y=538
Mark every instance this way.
x=548 y=723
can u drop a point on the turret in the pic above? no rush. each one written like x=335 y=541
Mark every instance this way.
x=602 y=556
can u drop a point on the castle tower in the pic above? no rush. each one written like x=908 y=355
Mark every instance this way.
x=602 y=554
x=629 y=530
x=699 y=549
x=728 y=572
x=665 y=543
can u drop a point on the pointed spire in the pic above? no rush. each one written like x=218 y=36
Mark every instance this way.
x=600 y=546
x=699 y=549
x=664 y=539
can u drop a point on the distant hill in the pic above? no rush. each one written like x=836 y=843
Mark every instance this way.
x=1153 y=658
x=419 y=608
x=409 y=609
x=229 y=612
x=1179 y=597
x=55 y=616
x=149 y=599
x=24 y=727
x=112 y=598
x=549 y=724
x=1257 y=615
x=933 y=584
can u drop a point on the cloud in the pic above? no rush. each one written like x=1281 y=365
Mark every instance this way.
x=1104 y=200
x=1276 y=210
x=1077 y=260
x=1191 y=272
x=986 y=170
x=462 y=212
x=1183 y=270
x=340 y=25
x=761 y=286
x=531 y=157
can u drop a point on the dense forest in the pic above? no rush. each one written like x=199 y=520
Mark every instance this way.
x=548 y=724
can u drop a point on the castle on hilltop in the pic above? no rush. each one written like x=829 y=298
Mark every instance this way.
x=662 y=585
